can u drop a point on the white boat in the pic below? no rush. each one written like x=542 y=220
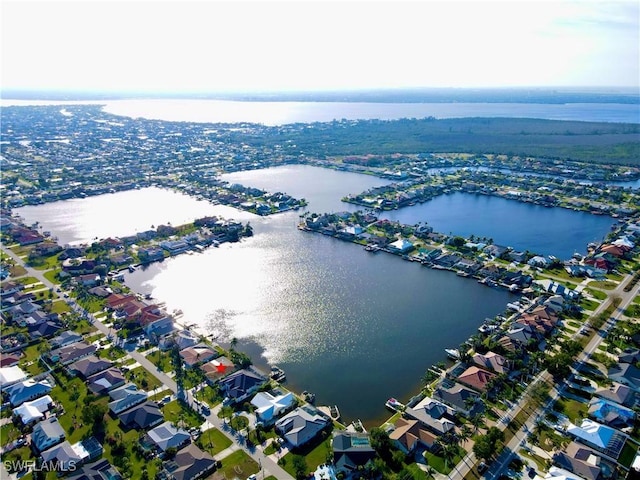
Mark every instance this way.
x=393 y=404
x=452 y=353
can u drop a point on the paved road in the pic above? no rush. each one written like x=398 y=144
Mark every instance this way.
x=269 y=466
x=498 y=466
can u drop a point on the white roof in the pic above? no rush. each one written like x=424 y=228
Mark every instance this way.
x=11 y=375
x=592 y=432
x=267 y=406
x=35 y=409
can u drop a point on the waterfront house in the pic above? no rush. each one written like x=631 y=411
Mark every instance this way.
x=185 y=338
x=167 y=436
x=434 y=415
x=125 y=397
x=301 y=425
x=89 y=366
x=491 y=361
x=27 y=390
x=106 y=380
x=240 y=385
x=218 y=368
x=269 y=407
x=46 y=434
x=351 y=450
x=151 y=254
x=402 y=245
x=582 y=461
x=190 y=463
x=192 y=356
x=175 y=247
x=464 y=400
x=476 y=378
x=409 y=434
x=89 y=280
x=141 y=417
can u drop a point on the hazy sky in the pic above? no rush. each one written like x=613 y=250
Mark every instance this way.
x=266 y=45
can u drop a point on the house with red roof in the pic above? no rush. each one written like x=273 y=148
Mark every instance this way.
x=476 y=378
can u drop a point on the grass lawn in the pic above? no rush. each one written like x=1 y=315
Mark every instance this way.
x=540 y=462
x=177 y=413
x=28 y=281
x=597 y=294
x=92 y=304
x=22 y=453
x=17 y=271
x=8 y=433
x=210 y=395
x=143 y=379
x=52 y=275
x=160 y=360
x=571 y=408
x=112 y=353
x=588 y=304
x=315 y=453
x=60 y=306
x=237 y=465
x=604 y=285
x=239 y=422
x=437 y=462
x=628 y=454
x=213 y=441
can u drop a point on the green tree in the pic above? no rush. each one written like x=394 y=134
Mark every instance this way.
x=299 y=466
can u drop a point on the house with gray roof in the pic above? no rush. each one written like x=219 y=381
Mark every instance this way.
x=65 y=338
x=100 y=470
x=627 y=374
x=89 y=366
x=167 y=436
x=71 y=353
x=241 y=385
x=46 y=434
x=462 y=399
x=581 y=460
x=619 y=393
x=190 y=463
x=64 y=456
x=125 y=397
x=106 y=380
x=143 y=416
x=351 y=450
x=434 y=415
x=301 y=425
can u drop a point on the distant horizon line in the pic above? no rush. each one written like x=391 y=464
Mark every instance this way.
x=538 y=88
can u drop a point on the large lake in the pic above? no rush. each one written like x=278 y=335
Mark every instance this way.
x=353 y=327
x=280 y=113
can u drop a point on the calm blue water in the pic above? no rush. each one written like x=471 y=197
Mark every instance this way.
x=548 y=231
x=353 y=327
x=281 y=113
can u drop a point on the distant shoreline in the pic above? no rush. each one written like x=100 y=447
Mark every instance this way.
x=525 y=95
